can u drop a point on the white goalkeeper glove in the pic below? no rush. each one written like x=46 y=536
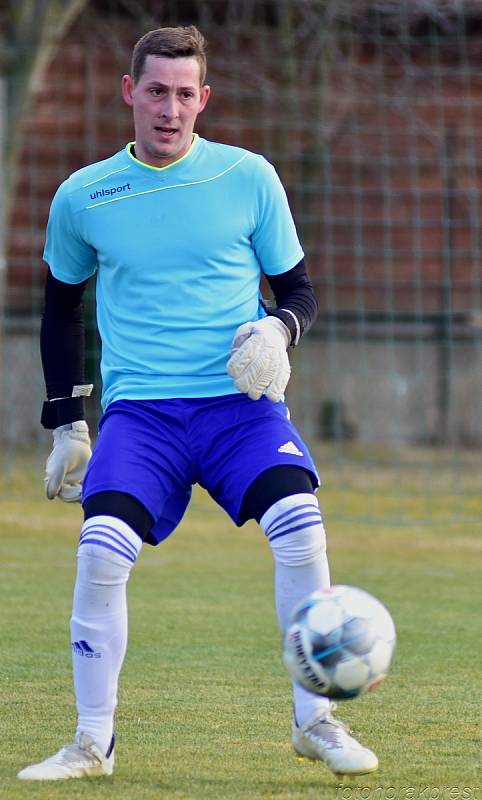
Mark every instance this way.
x=67 y=463
x=259 y=362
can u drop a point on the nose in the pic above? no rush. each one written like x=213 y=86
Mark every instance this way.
x=169 y=108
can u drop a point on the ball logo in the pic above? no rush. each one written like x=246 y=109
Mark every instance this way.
x=304 y=663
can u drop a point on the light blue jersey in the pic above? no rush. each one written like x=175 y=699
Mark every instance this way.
x=178 y=253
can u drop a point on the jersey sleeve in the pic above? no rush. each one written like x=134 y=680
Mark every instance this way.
x=274 y=239
x=70 y=258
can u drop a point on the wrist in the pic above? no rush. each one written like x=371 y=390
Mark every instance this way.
x=291 y=323
x=278 y=325
x=65 y=410
x=78 y=426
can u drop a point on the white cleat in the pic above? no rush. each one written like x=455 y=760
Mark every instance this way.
x=327 y=739
x=82 y=759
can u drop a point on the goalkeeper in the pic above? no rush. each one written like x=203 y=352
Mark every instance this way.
x=178 y=232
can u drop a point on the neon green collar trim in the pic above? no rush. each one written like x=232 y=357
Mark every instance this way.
x=195 y=138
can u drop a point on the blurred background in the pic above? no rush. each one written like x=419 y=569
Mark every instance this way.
x=372 y=114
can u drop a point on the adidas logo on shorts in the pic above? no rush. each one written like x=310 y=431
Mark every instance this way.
x=290 y=447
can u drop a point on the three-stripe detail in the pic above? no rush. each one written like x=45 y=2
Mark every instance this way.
x=82 y=647
x=103 y=535
x=295 y=519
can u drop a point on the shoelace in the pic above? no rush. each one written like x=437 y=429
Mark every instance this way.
x=334 y=737
x=72 y=754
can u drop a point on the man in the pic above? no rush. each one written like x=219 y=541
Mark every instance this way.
x=179 y=231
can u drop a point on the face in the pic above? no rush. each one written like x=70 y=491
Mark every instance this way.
x=165 y=103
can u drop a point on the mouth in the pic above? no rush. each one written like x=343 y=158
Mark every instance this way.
x=165 y=131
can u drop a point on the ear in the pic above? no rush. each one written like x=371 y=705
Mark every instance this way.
x=127 y=89
x=205 y=92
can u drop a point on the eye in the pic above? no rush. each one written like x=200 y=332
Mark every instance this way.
x=155 y=92
x=187 y=95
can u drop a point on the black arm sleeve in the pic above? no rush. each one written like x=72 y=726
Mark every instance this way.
x=296 y=304
x=62 y=337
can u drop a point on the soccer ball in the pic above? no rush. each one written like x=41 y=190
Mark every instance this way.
x=339 y=642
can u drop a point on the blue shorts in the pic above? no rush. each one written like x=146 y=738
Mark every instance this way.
x=155 y=450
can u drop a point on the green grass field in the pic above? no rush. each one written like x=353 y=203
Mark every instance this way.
x=204 y=706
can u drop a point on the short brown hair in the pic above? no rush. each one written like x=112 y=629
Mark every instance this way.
x=170 y=43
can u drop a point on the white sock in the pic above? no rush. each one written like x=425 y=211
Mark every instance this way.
x=108 y=549
x=294 y=529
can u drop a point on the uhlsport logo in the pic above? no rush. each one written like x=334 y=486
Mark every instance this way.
x=109 y=191
x=83 y=648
